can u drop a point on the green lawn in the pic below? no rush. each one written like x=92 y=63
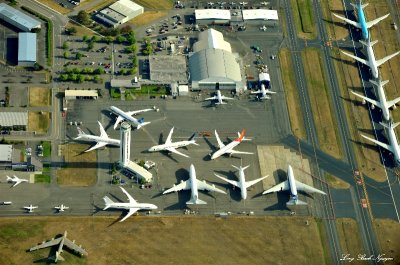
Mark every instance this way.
x=41 y=178
x=154 y=90
x=46 y=149
x=115 y=93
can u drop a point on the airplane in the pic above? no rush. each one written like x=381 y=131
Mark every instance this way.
x=127 y=115
x=293 y=186
x=210 y=3
x=382 y=103
x=228 y=149
x=264 y=3
x=132 y=205
x=263 y=28
x=242 y=184
x=371 y=62
x=101 y=140
x=30 y=208
x=219 y=98
x=16 y=180
x=263 y=92
x=6 y=203
x=393 y=145
x=362 y=23
x=61 y=242
x=243 y=3
x=171 y=147
x=194 y=185
x=61 y=208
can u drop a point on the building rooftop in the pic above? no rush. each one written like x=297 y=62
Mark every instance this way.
x=211 y=39
x=26 y=47
x=9 y=119
x=81 y=93
x=18 y=17
x=125 y=7
x=212 y=14
x=262 y=14
x=142 y=172
x=6 y=152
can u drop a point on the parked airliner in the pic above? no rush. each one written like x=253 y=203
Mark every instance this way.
x=228 y=149
x=127 y=116
x=101 y=140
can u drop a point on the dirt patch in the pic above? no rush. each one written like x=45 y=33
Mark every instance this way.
x=101 y=5
x=147 y=18
x=38 y=122
x=174 y=240
x=80 y=31
x=80 y=168
x=156 y=4
x=388 y=233
x=336 y=182
x=325 y=123
x=337 y=29
x=292 y=94
x=349 y=238
x=39 y=96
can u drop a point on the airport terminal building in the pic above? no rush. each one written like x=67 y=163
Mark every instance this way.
x=119 y=13
x=212 y=65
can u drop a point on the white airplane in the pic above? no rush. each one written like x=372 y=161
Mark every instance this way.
x=218 y=97
x=61 y=242
x=30 y=208
x=16 y=180
x=362 y=23
x=243 y=3
x=127 y=116
x=210 y=3
x=194 y=185
x=242 y=184
x=393 y=145
x=264 y=3
x=61 y=208
x=263 y=28
x=132 y=205
x=228 y=149
x=263 y=92
x=171 y=147
x=294 y=186
x=382 y=103
x=101 y=140
x=371 y=62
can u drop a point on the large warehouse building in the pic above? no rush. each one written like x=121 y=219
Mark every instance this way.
x=212 y=16
x=119 y=13
x=259 y=16
x=13 y=119
x=17 y=18
x=26 y=49
x=212 y=65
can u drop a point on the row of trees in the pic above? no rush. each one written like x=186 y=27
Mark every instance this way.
x=148 y=47
x=87 y=70
x=80 y=78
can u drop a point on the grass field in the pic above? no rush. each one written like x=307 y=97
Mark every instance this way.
x=292 y=94
x=41 y=178
x=336 y=182
x=80 y=169
x=155 y=90
x=38 y=122
x=349 y=238
x=303 y=17
x=46 y=148
x=54 y=5
x=115 y=93
x=39 y=96
x=80 y=31
x=336 y=28
x=147 y=18
x=388 y=233
x=168 y=240
x=156 y=4
x=101 y=5
x=325 y=123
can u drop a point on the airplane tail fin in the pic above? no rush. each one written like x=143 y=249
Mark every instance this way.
x=369 y=42
x=241 y=136
x=359 y=4
x=379 y=83
x=142 y=123
x=196 y=201
x=80 y=132
x=56 y=257
x=193 y=138
x=244 y=138
x=108 y=202
x=8 y=178
x=220 y=103
x=389 y=124
x=295 y=201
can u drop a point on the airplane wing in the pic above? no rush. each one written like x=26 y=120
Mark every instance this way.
x=252 y=182
x=184 y=185
x=372 y=101
x=256 y=92
x=131 y=113
x=119 y=119
x=47 y=244
x=203 y=185
x=233 y=182
x=391 y=103
x=168 y=141
x=130 y=199
x=220 y=143
x=226 y=98
x=239 y=152
x=281 y=186
x=386 y=146
x=103 y=133
x=351 y=22
x=267 y=91
x=383 y=60
x=131 y=211
x=356 y=58
x=173 y=150
x=304 y=187
x=212 y=98
x=97 y=145
x=376 y=21
x=16 y=183
x=71 y=245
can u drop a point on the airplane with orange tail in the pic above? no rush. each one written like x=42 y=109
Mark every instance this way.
x=228 y=149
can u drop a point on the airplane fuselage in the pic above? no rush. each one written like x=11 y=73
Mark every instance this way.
x=127 y=206
x=362 y=21
x=372 y=61
x=171 y=145
x=225 y=149
x=292 y=183
x=242 y=184
x=94 y=138
x=393 y=142
x=126 y=117
x=382 y=99
x=219 y=97
x=193 y=183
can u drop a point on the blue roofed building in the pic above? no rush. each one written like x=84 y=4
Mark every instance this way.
x=26 y=49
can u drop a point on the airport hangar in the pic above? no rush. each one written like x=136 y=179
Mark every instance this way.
x=119 y=13
x=246 y=16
